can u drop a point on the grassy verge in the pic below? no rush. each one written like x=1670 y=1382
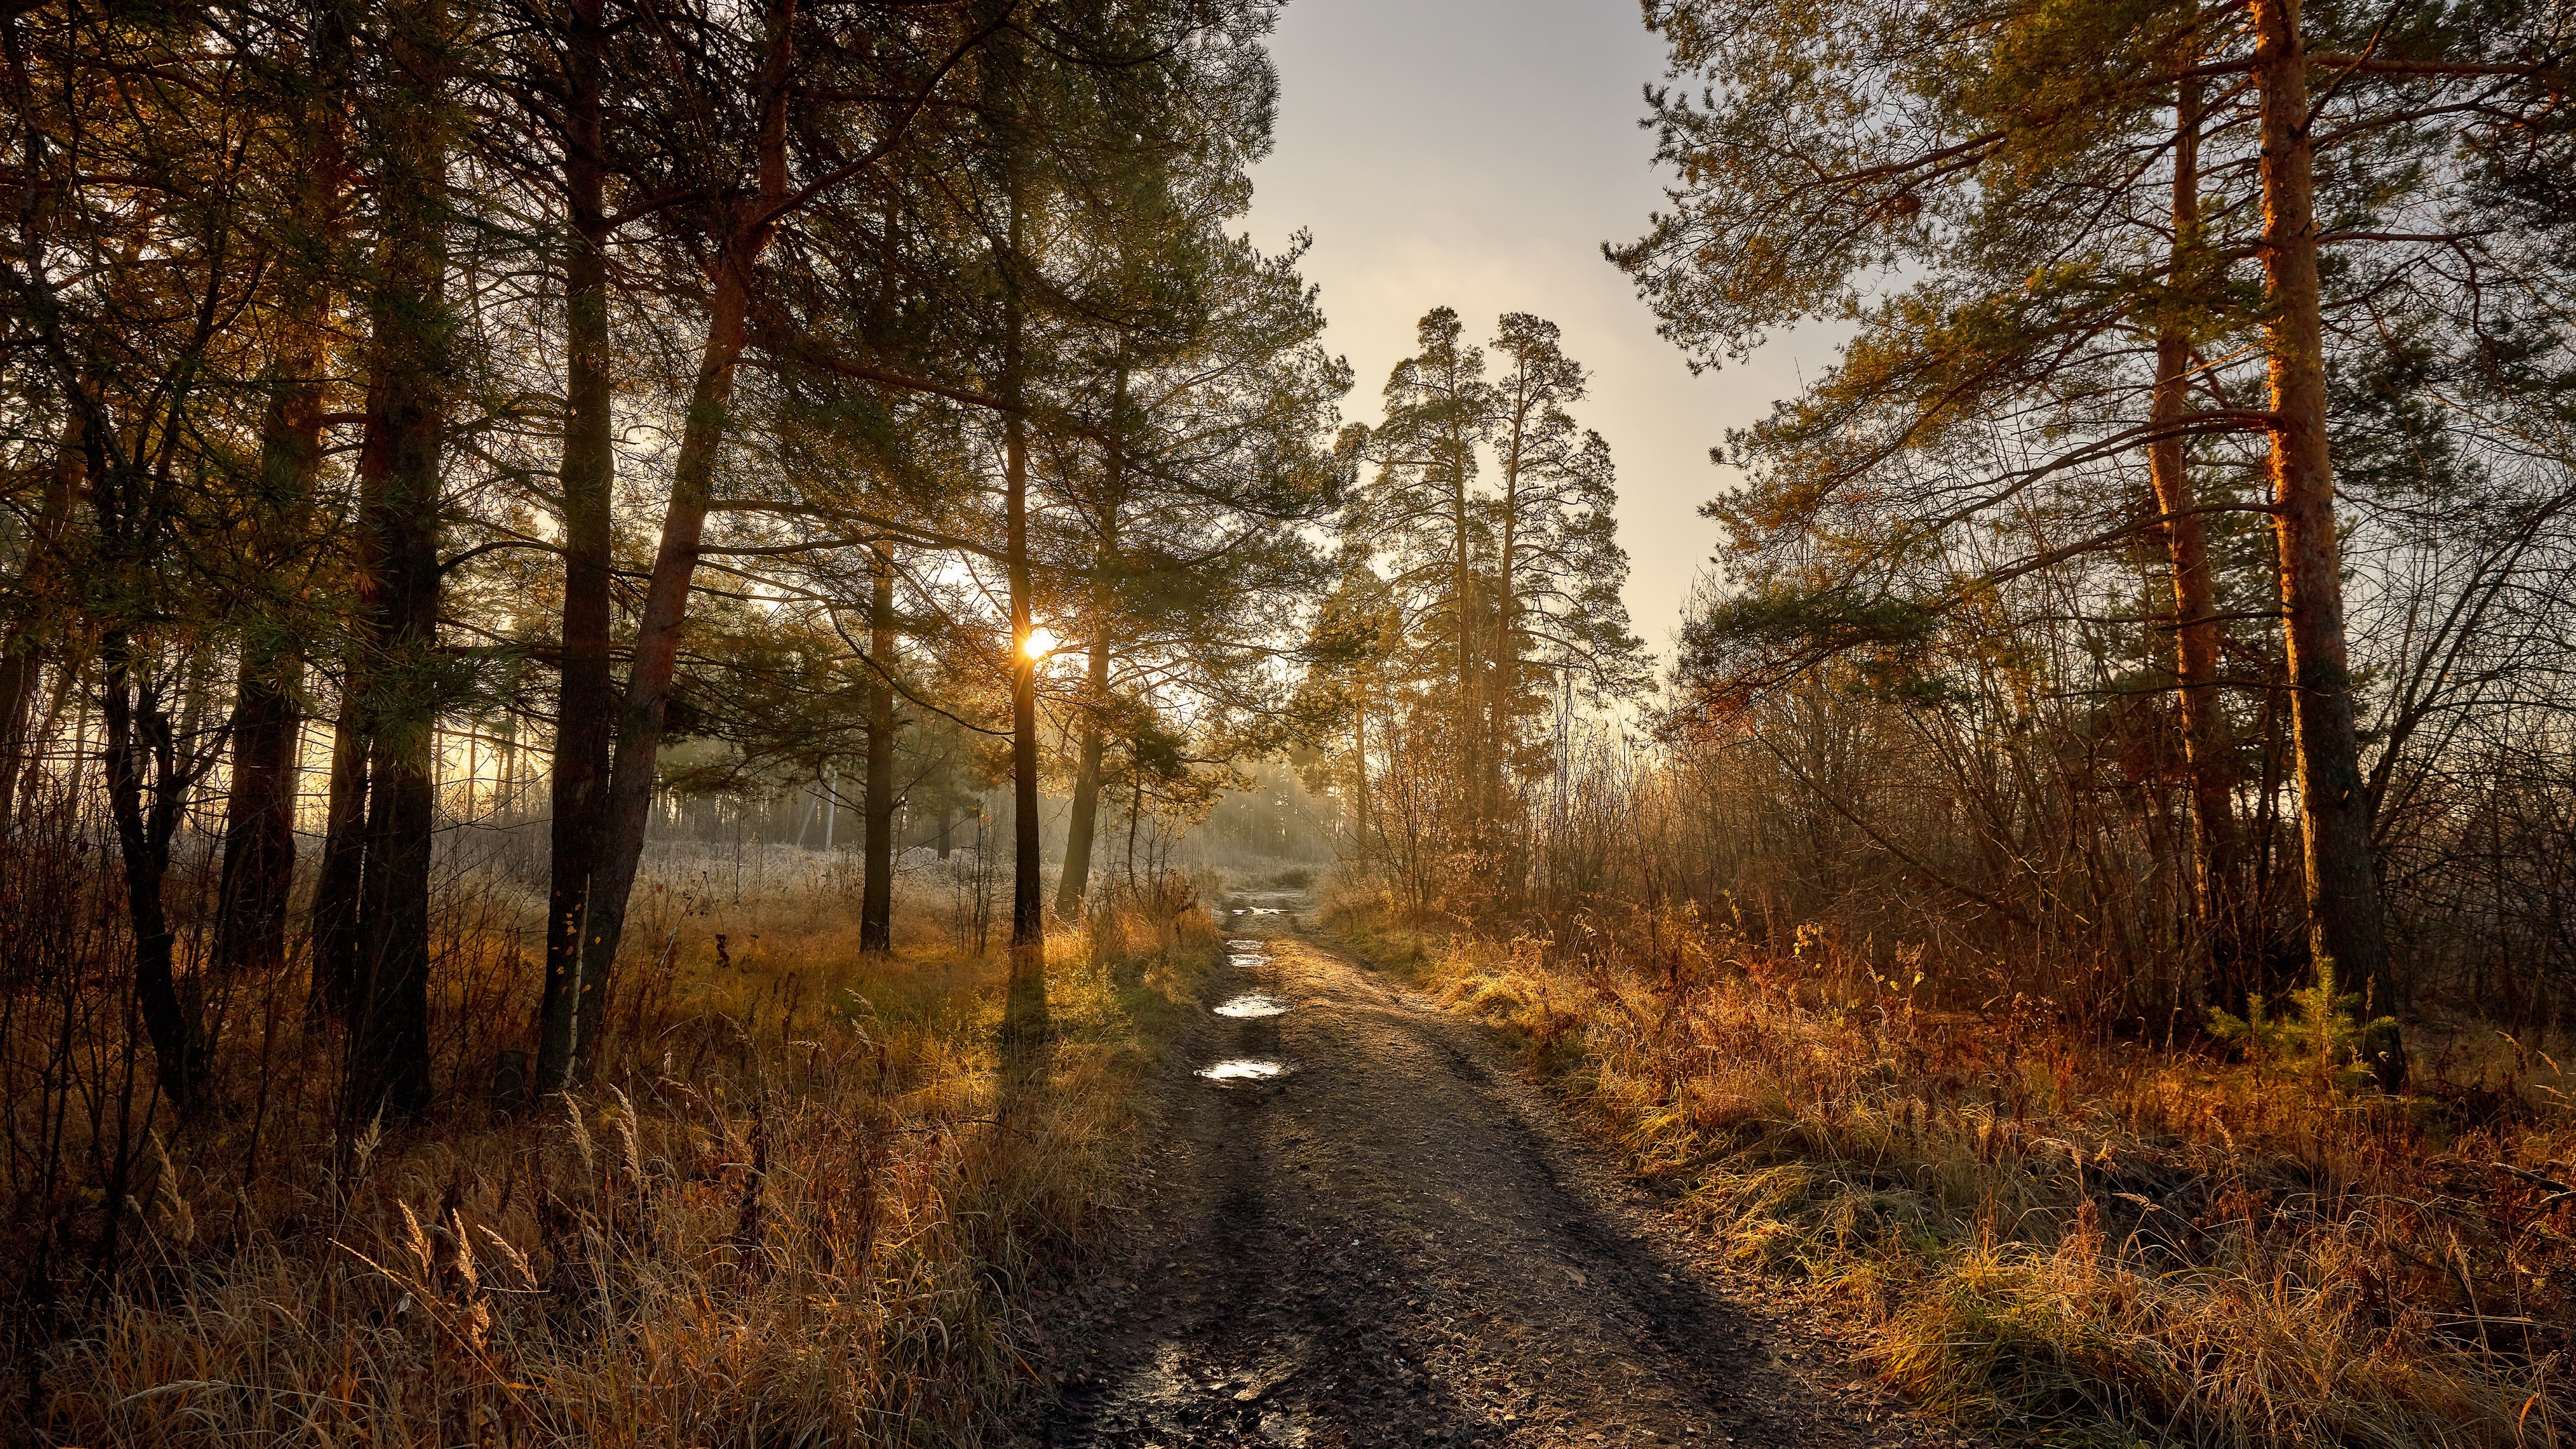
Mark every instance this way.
x=2064 y=1239
x=806 y=1206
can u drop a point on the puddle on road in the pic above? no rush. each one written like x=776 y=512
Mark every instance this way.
x=1253 y=1005
x=1261 y=910
x=1245 y=1069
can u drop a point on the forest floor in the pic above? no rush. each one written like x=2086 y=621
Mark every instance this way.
x=1394 y=1238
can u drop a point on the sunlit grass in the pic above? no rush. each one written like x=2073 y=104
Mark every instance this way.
x=2057 y=1237
x=805 y=1206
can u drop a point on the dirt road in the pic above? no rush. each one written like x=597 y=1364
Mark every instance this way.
x=1395 y=1240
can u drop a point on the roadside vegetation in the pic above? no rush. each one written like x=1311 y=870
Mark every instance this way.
x=807 y=1202
x=2047 y=1232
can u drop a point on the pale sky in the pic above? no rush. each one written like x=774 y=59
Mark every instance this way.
x=1476 y=153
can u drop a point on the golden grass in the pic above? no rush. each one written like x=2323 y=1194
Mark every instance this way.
x=2069 y=1240
x=806 y=1206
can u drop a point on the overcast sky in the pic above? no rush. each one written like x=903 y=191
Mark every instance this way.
x=1476 y=153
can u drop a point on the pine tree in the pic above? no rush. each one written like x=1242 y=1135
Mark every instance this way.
x=1994 y=162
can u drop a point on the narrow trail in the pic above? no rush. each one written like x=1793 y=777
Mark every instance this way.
x=1396 y=1240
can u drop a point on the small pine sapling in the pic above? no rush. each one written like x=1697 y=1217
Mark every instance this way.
x=2323 y=1029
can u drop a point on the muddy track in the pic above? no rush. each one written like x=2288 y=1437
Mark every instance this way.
x=1397 y=1240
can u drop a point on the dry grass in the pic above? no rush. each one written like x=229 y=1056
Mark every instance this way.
x=805 y=1207
x=2068 y=1239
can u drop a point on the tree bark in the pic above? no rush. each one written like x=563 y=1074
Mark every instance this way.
x=1502 y=663
x=1359 y=749
x=147 y=799
x=1025 y=1004
x=399 y=466
x=334 y=913
x=22 y=656
x=1028 y=905
x=259 y=815
x=268 y=717
x=2209 y=754
x=2345 y=926
x=749 y=225
x=585 y=695
x=1083 y=823
x=876 y=901
x=1463 y=588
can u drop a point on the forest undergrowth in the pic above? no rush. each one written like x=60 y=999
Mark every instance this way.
x=2049 y=1234
x=804 y=1204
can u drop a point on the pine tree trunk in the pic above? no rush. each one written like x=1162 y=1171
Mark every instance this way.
x=400 y=456
x=876 y=902
x=657 y=652
x=334 y=912
x=2209 y=753
x=259 y=815
x=267 y=734
x=1359 y=745
x=585 y=696
x=1463 y=587
x=2345 y=924
x=1025 y=1006
x=629 y=804
x=22 y=656
x=22 y=666
x=1502 y=667
x=1083 y=823
x=1028 y=903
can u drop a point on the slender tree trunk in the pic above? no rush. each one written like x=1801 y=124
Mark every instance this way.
x=657 y=653
x=2345 y=925
x=1025 y=1007
x=629 y=804
x=876 y=901
x=1084 y=821
x=1463 y=587
x=22 y=667
x=585 y=696
x=400 y=454
x=1028 y=903
x=70 y=665
x=22 y=656
x=145 y=798
x=1359 y=746
x=344 y=850
x=2208 y=751
x=1502 y=664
